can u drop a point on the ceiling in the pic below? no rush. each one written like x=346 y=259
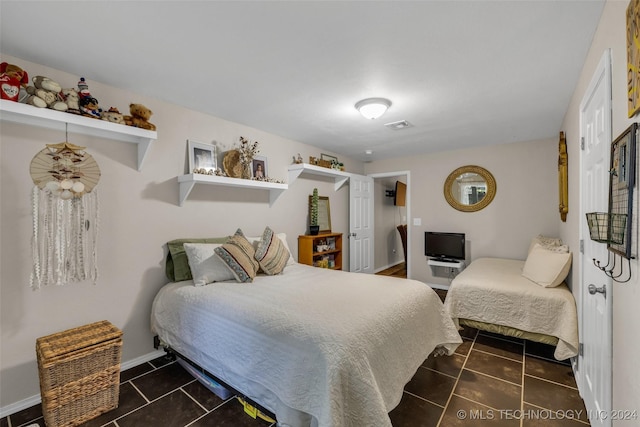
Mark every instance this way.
x=463 y=73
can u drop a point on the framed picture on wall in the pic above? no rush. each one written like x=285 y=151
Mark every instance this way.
x=633 y=56
x=202 y=157
x=259 y=167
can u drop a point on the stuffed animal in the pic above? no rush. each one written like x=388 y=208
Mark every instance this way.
x=88 y=104
x=72 y=99
x=12 y=78
x=46 y=93
x=139 y=117
x=113 y=116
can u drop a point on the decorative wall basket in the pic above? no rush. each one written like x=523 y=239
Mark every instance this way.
x=607 y=228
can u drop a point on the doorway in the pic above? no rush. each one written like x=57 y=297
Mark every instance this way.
x=392 y=255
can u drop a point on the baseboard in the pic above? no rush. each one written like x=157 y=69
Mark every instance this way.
x=34 y=400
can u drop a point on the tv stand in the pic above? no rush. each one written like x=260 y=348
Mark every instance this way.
x=449 y=263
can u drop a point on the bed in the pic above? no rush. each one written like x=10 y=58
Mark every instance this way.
x=492 y=294
x=315 y=347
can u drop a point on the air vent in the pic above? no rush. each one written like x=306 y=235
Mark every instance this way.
x=402 y=124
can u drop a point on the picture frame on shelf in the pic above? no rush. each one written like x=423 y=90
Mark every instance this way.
x=202 y=157
x=259 y=167
x=328 y=157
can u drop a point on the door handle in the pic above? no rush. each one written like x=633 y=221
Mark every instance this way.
x=593 y=289
x=352 y=235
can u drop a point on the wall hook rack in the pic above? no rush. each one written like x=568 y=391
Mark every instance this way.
x=610 y=268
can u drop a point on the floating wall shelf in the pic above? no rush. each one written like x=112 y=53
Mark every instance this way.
x=52 y=119
x=339 y=177
x=187 y=183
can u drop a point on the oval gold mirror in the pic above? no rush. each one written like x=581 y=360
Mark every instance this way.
x=469 y=188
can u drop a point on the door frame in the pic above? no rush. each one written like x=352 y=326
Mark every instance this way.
x=407 y=174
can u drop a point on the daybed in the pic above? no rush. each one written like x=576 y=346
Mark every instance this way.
x=316 y=347
x=499 y=295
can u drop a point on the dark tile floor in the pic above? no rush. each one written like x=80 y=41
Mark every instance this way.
x=489 y=381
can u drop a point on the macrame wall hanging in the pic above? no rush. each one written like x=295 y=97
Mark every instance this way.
x=65 y=215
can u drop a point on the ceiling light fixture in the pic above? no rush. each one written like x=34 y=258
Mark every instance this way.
x=372 y=108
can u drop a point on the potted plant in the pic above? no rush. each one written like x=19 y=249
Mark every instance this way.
x=314 y=228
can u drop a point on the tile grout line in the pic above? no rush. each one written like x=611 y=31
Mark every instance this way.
x=551 y=381
x=473 y=342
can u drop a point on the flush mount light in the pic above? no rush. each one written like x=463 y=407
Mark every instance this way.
x=372 y=108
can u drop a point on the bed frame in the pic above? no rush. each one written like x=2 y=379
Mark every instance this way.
x=174 y=355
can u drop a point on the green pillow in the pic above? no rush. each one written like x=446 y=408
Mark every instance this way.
x=177 y=264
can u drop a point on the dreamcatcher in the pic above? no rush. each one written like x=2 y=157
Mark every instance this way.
x=65 y=215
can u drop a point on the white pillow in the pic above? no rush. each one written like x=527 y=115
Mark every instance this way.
x=544 y=241
x=547 y=268
x=206 y=267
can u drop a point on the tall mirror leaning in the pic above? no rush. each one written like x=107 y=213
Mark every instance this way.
x=469 y=188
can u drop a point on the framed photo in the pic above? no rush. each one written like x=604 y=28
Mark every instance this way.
x=259 y=167
x=202 y=156
x=332 y=159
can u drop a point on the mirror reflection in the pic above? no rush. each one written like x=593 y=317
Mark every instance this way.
x=469 y=188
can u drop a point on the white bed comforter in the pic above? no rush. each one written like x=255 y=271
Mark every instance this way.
x=314 y=346
x=493 y=290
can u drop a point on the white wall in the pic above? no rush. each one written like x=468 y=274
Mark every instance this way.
x=388 y=244
x=611 y=33
x=139 y=212
x=526 y=202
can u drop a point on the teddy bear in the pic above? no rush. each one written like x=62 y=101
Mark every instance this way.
x=46 y=93
x=12 y=78
x=113 y=116
x=71 y=97
x=139 y=117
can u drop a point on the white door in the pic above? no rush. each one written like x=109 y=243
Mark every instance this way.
x=361 y=224
x=594 y=365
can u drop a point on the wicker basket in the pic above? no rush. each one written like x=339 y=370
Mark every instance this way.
x=79 y=372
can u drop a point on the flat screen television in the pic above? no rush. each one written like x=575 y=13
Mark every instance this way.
x=444 y=246
x=400 y=195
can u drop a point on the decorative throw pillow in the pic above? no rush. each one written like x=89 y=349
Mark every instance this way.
x=283 y=237
x=206 y=266
x=271 y=253
x=239 y=256
x=547 y=268
x=544 y=241
x=177 y=265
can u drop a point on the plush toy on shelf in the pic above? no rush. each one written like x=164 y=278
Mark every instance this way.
x=113 y=116
x=139 y=117
x=71 y=97
x=46 y=93
x=12 y=78
x=88 y=104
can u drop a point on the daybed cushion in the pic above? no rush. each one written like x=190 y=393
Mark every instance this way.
x=493 y=290
x=206 y=266
x=271 y=253
x=547 y=266
x=177 y=264
x=239 y=256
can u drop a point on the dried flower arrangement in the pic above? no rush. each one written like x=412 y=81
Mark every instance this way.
x=247 y=150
